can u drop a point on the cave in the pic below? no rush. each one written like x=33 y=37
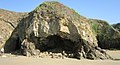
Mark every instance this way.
x=12 y=44
x=57 y=42
x=18 y=45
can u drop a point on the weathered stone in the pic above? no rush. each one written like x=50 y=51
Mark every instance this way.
x=52 y=29
x=117 y=26
x=107 y=36
x=8 y=22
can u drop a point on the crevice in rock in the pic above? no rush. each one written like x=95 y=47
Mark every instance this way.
x=8 y=22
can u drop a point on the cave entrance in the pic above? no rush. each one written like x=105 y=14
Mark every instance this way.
x=12 y=44
x=18 y=44
x=57 y=44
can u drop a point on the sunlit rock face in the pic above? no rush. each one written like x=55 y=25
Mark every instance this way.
x=53 y=27
x=8 y=22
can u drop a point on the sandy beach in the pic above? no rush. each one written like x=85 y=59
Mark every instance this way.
x=22 y=60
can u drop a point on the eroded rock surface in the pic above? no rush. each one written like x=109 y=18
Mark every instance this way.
x=117 y=26
x=108 y=37
x=56 y=30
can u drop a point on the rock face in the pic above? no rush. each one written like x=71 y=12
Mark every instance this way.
x=117 y=26
x=8 y=21
x=107 y=36
x=54 y=28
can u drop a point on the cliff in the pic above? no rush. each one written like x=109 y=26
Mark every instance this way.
x=108 y=37
x=8 y=22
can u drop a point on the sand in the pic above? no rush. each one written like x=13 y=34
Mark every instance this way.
x=22 y=60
